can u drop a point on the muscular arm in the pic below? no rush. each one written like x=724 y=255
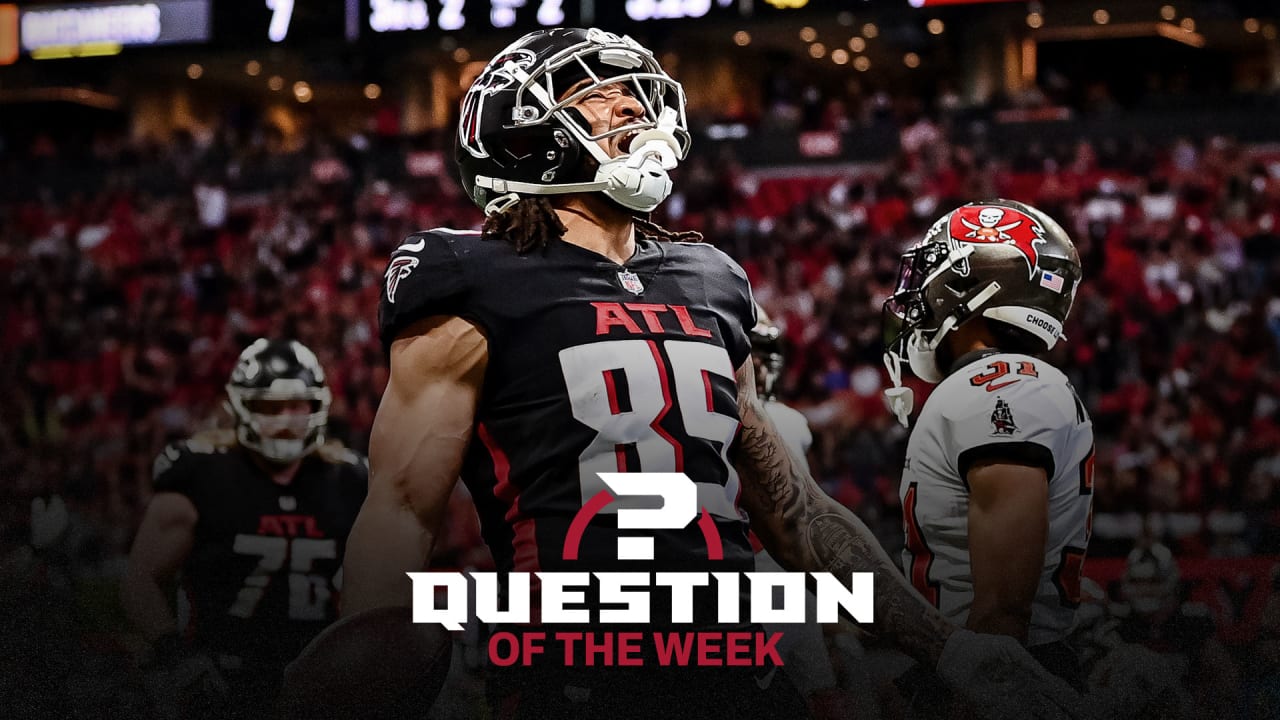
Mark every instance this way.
x=163 y=543
x=804 y=529
x=1008 y=528
x=419 y=437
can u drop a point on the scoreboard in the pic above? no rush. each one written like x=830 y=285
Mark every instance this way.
x=75 y=28
x=382 y=16
x=361 y=19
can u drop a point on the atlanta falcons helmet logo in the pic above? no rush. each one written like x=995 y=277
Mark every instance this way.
x=984 y=224
x=398 y=270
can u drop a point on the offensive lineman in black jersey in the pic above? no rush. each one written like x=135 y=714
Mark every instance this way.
x=572 y=337
x=255 y=521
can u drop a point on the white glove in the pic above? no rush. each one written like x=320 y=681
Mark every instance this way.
x=1000 y=680
x=48 y=521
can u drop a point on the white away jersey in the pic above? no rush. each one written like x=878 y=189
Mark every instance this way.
x=1013 y=407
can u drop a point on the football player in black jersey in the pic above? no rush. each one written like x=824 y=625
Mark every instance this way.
x=573 y=337
x=255 y=523
x=1154 y=614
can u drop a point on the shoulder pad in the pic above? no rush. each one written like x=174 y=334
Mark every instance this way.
x=335 y=453
x=1007 y=406
x=1012 y=378
x=211 y=441
x=425 y=276
x=173 y=470
x=707 y=252
x=729 y=291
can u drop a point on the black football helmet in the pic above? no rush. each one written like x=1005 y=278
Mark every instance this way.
x=278 y=370
x=767 y=354
x=518 y=134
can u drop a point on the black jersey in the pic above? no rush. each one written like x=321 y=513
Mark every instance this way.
x=593 y=367
x=260 y=578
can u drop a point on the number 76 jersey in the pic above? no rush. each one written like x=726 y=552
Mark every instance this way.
x=262 y=577
x=1012 y=408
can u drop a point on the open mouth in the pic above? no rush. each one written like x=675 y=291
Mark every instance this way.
x=624 y=140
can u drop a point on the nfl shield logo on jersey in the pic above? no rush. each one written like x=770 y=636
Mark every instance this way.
x=630 y=282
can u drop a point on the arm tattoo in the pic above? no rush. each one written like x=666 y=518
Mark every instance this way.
x=806 y=530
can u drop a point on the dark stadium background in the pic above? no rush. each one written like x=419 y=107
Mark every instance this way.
x=161 y=205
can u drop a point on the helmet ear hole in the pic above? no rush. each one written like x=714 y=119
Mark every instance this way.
x=960 y=286
x=518 y=146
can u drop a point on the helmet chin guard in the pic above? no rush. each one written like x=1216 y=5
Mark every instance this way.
x=922 y=357
x=639 y=180
x=281 y=451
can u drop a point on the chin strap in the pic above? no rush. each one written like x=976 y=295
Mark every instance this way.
x=899 y=399
x=500 y=204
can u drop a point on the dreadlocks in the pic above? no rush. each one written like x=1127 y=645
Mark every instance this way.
x=531 y=223
x=657 y=232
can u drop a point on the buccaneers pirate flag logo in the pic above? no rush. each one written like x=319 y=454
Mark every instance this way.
x=1002 y=419
x=979 y=224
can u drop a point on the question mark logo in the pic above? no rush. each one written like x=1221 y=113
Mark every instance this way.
x=679 y=507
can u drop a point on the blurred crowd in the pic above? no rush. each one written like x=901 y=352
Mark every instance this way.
x=127 y=299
